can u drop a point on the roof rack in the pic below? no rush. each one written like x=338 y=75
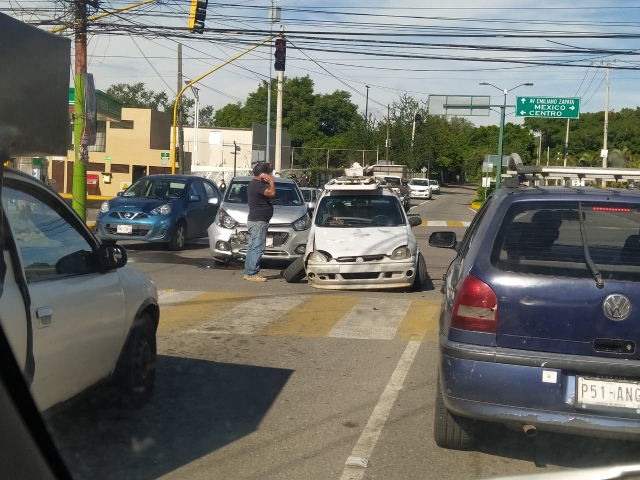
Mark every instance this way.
x=521 y=173
x=353 y=183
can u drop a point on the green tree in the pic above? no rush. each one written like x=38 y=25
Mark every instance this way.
x=138 y=96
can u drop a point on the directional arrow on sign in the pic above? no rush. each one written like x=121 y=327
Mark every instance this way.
x=572 y=107
x=522 y=112
x=523 y=100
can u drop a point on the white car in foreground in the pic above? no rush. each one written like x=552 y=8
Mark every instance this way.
x=420 y=188
x=360 y=238
x=73 y=313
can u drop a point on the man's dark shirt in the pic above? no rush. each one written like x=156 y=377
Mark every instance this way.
x=260 y=208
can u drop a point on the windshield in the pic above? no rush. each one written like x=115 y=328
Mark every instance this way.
x=155 y=188
x=434 y=182
x=419 y=181
x=359 y=211
x=287 y=194
x=306 y=194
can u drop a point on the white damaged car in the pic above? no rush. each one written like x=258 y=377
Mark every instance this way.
x=360 y=238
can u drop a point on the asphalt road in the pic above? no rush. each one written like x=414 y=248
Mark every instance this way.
x=280 y=381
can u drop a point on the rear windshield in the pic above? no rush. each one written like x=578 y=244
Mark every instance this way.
x=392 y=181
x=419 y=181
x=287 y=194
x=544 y=238
x=359 y=211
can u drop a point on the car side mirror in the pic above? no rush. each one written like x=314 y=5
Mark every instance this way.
x=119 y=194
x=111 y=256
x=194 y=198
x=443 y=240
x=76 y=263
x=213 y=201
x=415 y=221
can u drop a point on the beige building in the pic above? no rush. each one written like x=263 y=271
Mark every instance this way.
x=125 y=150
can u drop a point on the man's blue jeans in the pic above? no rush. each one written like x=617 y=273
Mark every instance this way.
x=255 y=249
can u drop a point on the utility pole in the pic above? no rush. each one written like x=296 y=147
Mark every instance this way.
x=180 y=115
x=540 y=149
x=606 y=120
x=274 y=16
x=366 y=108
x=413 y=131
x=387 y=143
x=566 y=144
x=235 y=154
x=196 y=122
x=81 y=156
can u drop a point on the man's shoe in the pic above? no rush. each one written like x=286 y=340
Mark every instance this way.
x=255 y=278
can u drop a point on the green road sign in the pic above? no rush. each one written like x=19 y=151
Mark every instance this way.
x=548 y=107
x=164 y=156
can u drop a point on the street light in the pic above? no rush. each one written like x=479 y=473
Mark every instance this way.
x=501 y=134
x=196 y=121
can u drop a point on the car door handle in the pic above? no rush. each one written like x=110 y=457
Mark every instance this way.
x=44 y=316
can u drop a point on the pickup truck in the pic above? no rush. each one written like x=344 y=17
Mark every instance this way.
x=73 y=312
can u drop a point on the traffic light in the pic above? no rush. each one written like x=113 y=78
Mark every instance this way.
x=198 y=15
x=280 y=54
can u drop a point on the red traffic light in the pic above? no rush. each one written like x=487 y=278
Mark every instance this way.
x=280 y=54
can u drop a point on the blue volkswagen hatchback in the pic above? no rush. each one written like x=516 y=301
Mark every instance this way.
x=540 y=320
x=169 y=209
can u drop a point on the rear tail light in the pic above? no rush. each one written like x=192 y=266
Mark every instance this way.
x=476 y=307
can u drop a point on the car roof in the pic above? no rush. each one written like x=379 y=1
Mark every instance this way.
x=353 y=191
x=275 y=179
x=16 y=174
x=169 y=176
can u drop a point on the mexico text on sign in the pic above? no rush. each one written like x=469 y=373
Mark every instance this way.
x=548 y=107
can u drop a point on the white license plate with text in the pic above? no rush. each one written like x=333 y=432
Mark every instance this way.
x=269 y=242
x=124 y=229
x=597 y=392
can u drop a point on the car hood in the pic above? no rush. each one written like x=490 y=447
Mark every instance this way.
x=281 y=215
x=345 y=242
x=138 y=204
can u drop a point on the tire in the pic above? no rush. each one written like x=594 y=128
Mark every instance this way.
x=421 y=274
x=295 y=272
x=136 y=371
x=179 y=237
x=449 y=430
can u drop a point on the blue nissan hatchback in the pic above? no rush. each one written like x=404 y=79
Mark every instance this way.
x=169 y=209
x=540 y=320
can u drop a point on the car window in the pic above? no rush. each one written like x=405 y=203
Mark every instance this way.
x=156 y=188
x=210 y=190
x=359 y=211
x=196 y=188
x=419 y=181
x=545 y=238
x=473 y=228
x=287 y=194
x=307 y=195
x=49 y=245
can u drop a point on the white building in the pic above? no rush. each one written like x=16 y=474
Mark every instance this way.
x=215 y=149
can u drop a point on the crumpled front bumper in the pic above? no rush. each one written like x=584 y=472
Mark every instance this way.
x=382 y=274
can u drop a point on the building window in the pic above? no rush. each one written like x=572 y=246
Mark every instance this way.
x=123 y=124
x=101 y=138
x=119 y=168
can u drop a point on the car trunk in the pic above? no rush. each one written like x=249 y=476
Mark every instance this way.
x=548 y=297
x=565 y=315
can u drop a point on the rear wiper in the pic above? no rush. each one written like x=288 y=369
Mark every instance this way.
x=587 y=256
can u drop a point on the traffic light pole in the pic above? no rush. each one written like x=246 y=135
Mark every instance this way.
x=278 y=156
x=192 y=82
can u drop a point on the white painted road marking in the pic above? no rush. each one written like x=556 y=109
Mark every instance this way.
x=252 y=316
x=168 y=298
x=371 y=433
x=372 y=318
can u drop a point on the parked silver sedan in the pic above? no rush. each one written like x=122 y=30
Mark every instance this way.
x=288 y=229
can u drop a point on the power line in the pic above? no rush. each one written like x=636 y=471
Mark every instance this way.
x=596 y=90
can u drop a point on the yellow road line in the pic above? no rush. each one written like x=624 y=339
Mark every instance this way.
x=422 y=317
x=454 y=223
x=314 y=318
x=200 y=309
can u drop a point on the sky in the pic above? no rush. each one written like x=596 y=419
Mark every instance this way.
x=487 y=36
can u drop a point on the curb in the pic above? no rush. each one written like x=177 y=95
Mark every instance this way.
x=89 y=197
x=475 y=206
x=91 y=226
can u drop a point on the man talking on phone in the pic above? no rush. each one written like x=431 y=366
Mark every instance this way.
x=260 y=191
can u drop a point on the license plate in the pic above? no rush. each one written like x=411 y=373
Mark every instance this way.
x=124 y=229
x=269 y=242
x=598 y=392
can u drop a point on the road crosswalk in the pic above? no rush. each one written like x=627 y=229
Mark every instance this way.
x=310 y=315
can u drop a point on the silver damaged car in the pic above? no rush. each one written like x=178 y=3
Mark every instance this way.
x=288 y=229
